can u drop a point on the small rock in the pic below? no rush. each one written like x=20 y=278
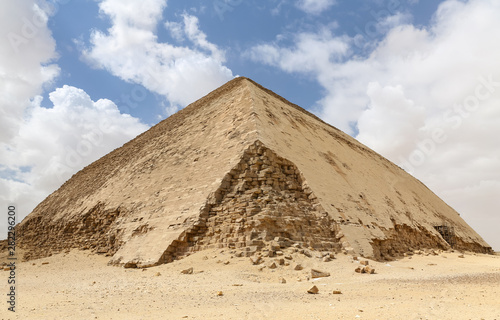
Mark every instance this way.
x=205 y=258
x=298 y=267
x=461 y=256
x=326 y=259
x=307 y=254
x=279 y=253
x=45 y=263
x=369 y=270
x=226 y=262
x=281 y=261
x=187 y=271
x=364 y=262
x=359 y=270
x=281 y=280
x=313 y=290
x=272 y=265
x=337 y=292
x=157 y=274
x=256 y=260
x=288 y=257
x=319 y=274
x=219 y=293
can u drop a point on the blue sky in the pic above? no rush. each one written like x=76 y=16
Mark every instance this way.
x=415 y=80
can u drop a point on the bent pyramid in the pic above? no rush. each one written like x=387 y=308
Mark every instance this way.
x=242 y=168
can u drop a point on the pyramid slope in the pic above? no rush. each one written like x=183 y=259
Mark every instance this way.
x=377 y=205
x=165 y=193
x=139 y=198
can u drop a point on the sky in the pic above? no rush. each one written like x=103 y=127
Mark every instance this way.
x=416 y=80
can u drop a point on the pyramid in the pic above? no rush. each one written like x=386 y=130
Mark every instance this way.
x=242 y=168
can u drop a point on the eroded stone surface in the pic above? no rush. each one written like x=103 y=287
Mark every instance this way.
x=263 y=200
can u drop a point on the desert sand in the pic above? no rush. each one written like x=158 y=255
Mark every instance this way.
x=80 y=285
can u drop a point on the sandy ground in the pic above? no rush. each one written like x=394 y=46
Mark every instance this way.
x=80 y=285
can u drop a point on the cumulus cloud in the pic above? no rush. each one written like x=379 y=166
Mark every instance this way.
x=426 y=97
x=42 y=147
x=130 y=50
x=314 y=6
x=54 y=143
x=27 y=51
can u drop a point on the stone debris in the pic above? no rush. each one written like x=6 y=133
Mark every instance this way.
x=281 y=280
x=313 y=290
x=306 y=253
x=220 y=293
x=319 y=274
x=130 y=265
x=256 y=260
x=226 y=262
x=336 y=292
x=364 y=262
x=326 y=259
x=272 y=265
x=187 y=271
x=45 y=263
x=366 y=269
x=461 y=256
x=288 y=257
x=298 y=267
x=157 y=274
x=369 y=270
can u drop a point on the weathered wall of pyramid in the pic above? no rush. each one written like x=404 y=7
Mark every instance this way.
x=135 y=201
x=262 y=202
x=381 y=210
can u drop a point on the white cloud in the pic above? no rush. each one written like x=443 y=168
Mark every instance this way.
x=312 y=52
x=130 y=50
x=54 y=143
x=426 y=97
x=389 y=105
x=42 y=147
x=314 y=6
x=26 y=52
